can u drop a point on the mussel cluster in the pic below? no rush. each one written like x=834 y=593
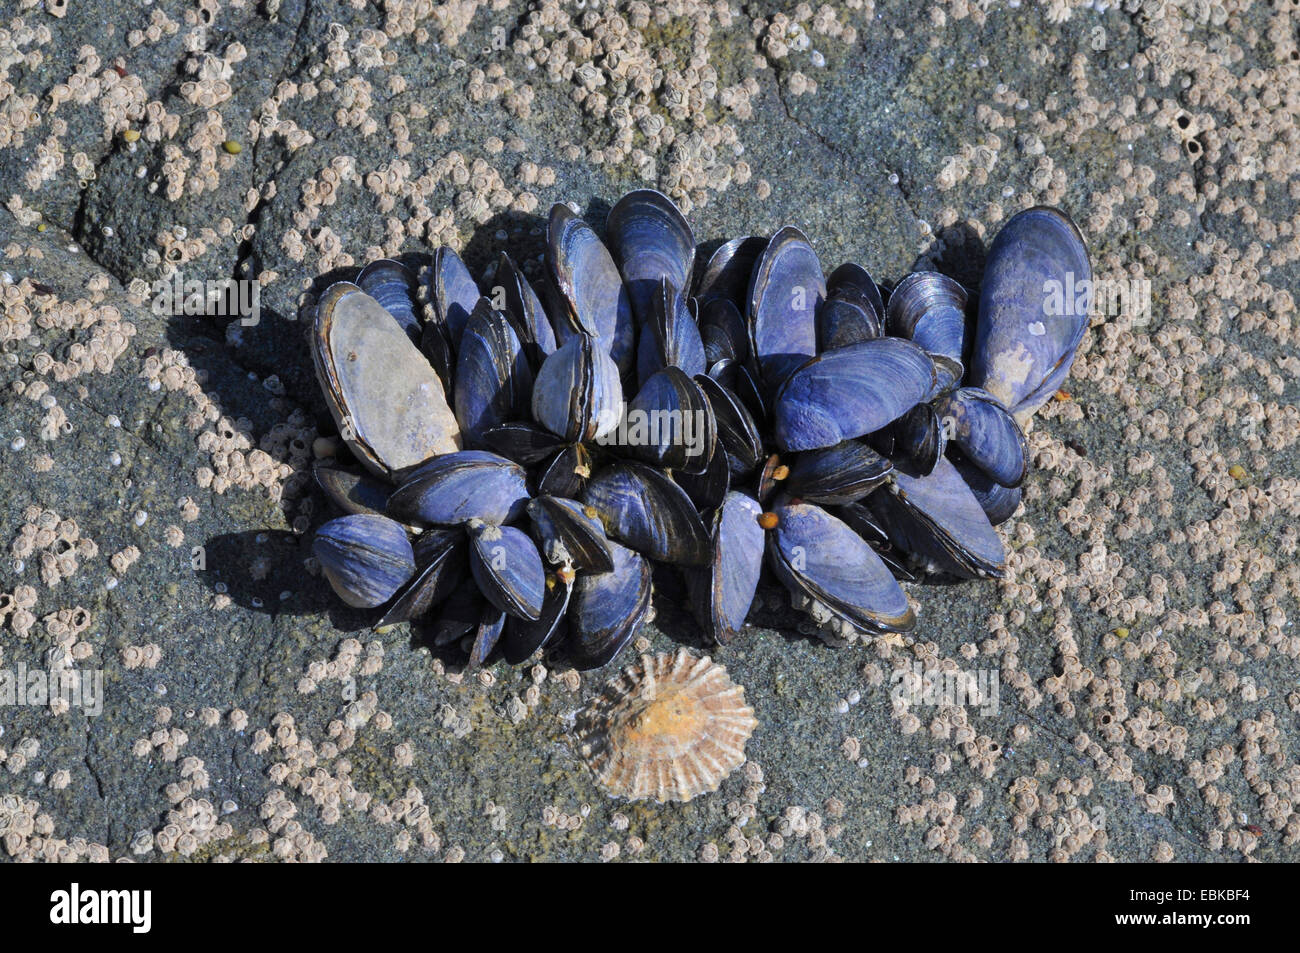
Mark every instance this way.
x=525 y=457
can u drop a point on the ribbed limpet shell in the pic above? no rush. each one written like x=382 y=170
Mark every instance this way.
x=670 y=728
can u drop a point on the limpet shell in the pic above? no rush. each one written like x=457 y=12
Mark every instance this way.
x=670 y=728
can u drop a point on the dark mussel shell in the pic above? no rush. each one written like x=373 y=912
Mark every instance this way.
x=524 y=309
x=567 y=473
x=433 y=542
x=670 y=337
x=727 y=274
x=652 y=242
x=458 y=487
x=522 y=442
x=607 y=608
x=850 y=392
x=840 y=474
x=859 y=518
x=577 y=394
x=453 y=292
x=723 y=591
x=1034 y=303
x=393 y=286
x=736 y=378
x=846 y=317
x=998 y=502
x=817 y=554
x=707 y=489
x=460 y=615
x=853 y=277
x=930 y=308
x=670 y=424
x=507 y=568
x=937 y=518
x=523 y=637
x=488 y=632
x=920 y=437
x=588 y=286
x=366 y=558
x=494 y=382
x=785 y=291
x=439 y=576
x=351 y=490
x=986 y=434
x=723 y=332
x=570 y=534
x=645 y=509
x=738 y=434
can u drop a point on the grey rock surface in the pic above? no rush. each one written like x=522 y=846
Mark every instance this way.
x=1147 y=672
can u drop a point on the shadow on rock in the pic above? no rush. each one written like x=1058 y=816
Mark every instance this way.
x=957 y=251
x=262 y=570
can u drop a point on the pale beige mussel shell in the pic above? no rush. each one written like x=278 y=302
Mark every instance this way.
x=389 y=403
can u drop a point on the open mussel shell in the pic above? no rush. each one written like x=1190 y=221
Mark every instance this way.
x=386 y=399
x=607 y=608
x=522 y=442
x=785 y=291
x=652 y=242
x=723 y=591
x=523 y=637
x=352 y=491
x=850 y=392
x=986 y=434
x=670 y=423
x=738 y=434
x=453 y=293
x=588 y=286
x=853 y=277
x=567 y=472
x=723 y=332
x=727 y=274
x=1034 y=302
x=570 y=534
x=645 y=509
x=930 y=308
x=815 y=553
x=507 y=568
x=458 y=487
x=366 y=558
x=524 y=309
x=937 y=518
x=393 y=286
x=494 y=382
x=840 y=474
x=998 y=502
x=670 y=336
x=577 y=394
x=433 y=583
